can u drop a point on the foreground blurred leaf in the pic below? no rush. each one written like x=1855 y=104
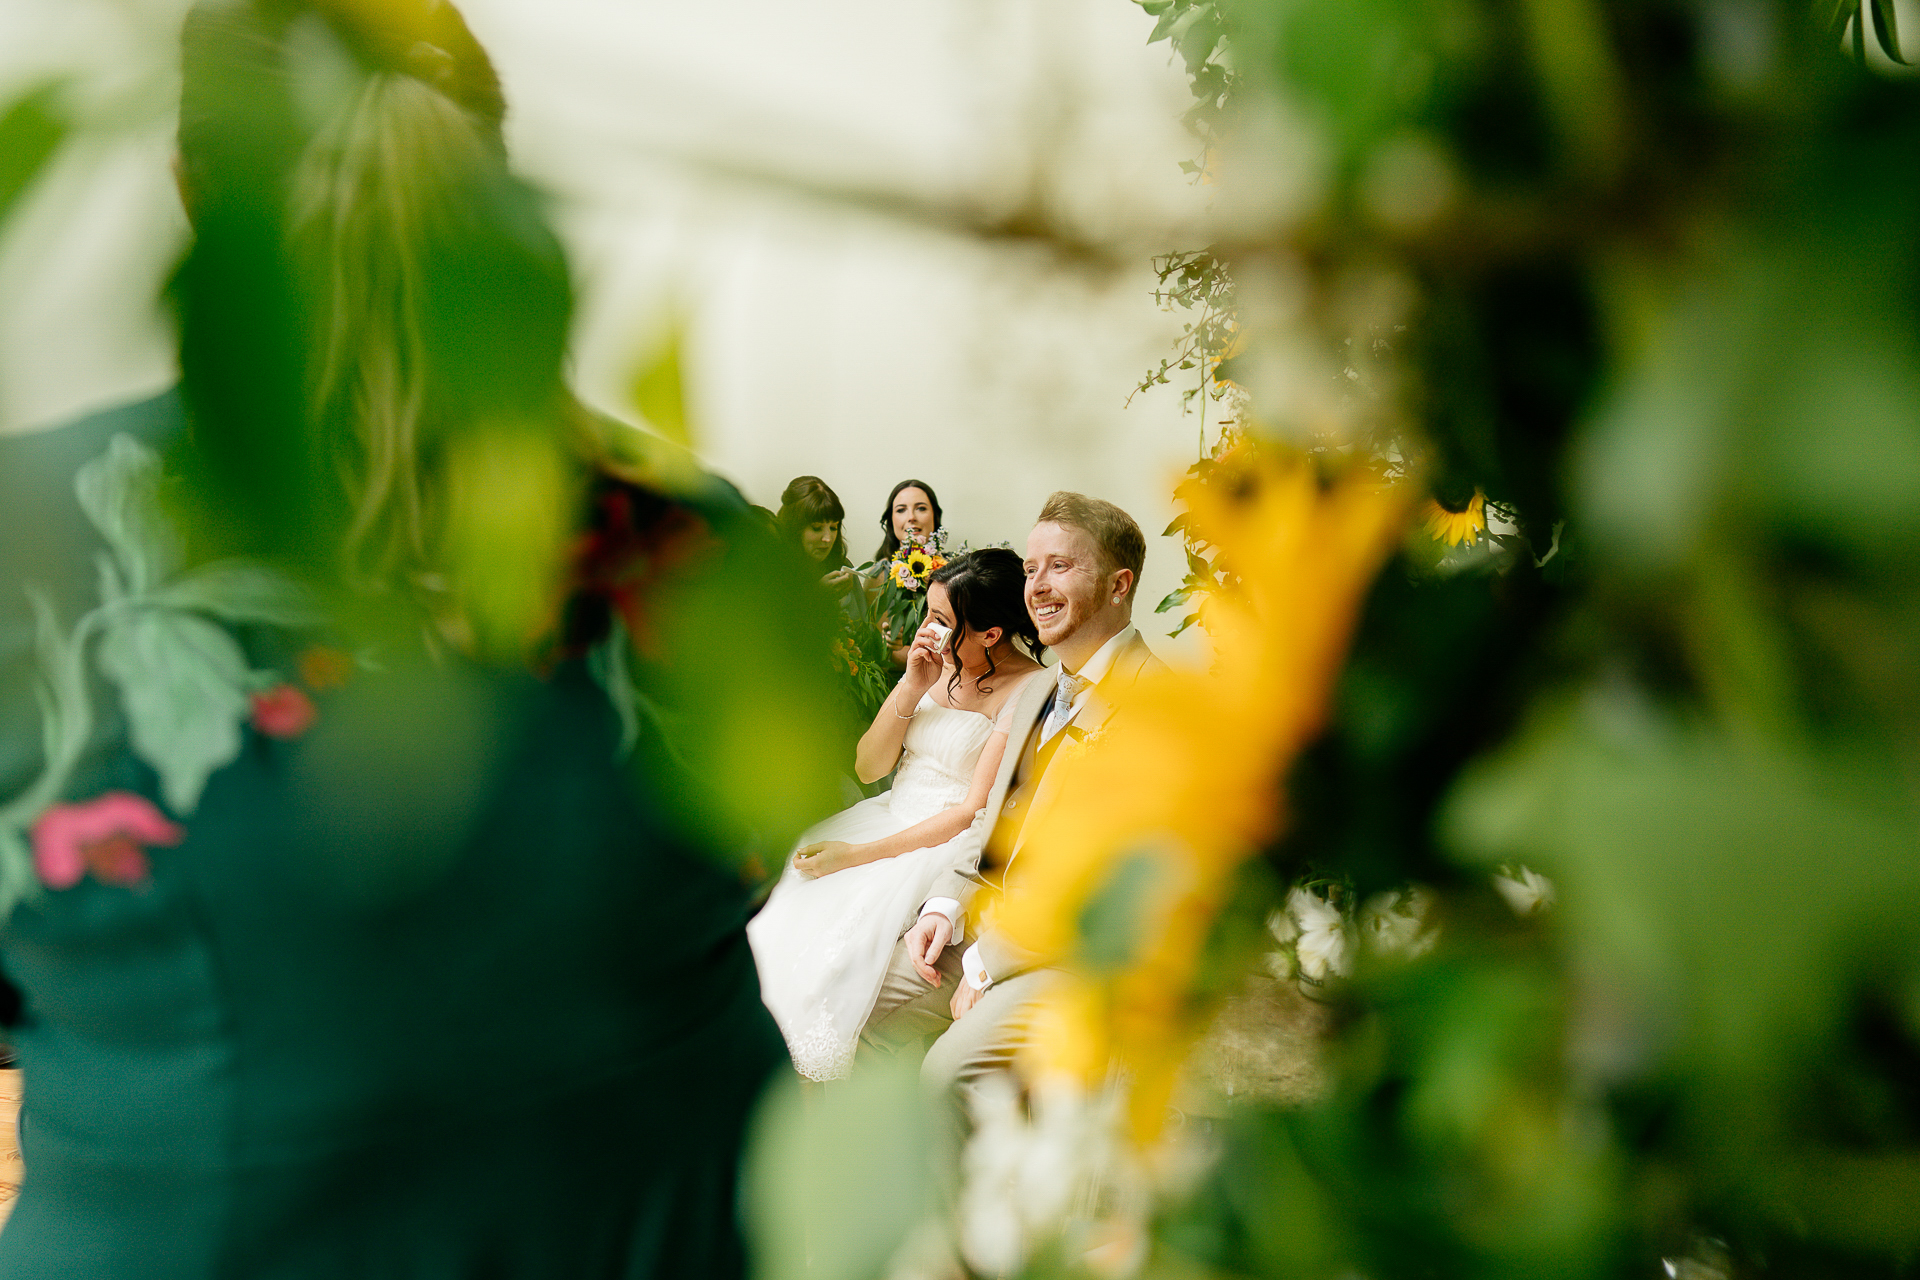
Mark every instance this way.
x=182 y=680
x=659 y=389
x=31 y=132
x=750 y=695
x=1745 y=892
x=1885 y=20
x=1740 y=881
x=837 y=1175
x=509 y=514
x=236 y=591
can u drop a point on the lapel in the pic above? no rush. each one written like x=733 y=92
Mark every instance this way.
x=1023 y=733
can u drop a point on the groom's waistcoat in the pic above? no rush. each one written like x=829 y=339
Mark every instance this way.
x=1010 y=823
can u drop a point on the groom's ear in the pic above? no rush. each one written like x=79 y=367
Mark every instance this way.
x=1122 y=588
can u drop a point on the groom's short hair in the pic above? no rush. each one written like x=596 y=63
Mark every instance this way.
x=1121 y=544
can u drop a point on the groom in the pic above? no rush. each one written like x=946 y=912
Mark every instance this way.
x=1083 y=566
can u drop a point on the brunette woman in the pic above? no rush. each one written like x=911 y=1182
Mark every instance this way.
x=812 y=518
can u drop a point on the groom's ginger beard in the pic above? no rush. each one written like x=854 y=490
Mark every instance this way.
x=1071 y=596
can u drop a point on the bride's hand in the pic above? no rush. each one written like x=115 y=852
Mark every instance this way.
x=823 y=858
x=924 y=662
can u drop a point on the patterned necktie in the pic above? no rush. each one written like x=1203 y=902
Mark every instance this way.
x=1062 y=710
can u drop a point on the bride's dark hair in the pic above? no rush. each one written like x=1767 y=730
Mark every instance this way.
x=987 y=589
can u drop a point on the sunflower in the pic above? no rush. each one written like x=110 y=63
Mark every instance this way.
x=920 y=564
x=1185 y=787
x=1455 y=527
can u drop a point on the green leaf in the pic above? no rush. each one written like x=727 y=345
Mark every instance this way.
x=1168 y=12
x=1178 y=523
x=66 y=711
x=659 y=390
x=17 y=879
x=1115 y=918
x=239 y=591
x=1174 y=598
x=1886 y=29
x=30 y=133
x=183 y=682
x=1199 y=568
x=1195 y=34
x=1711 y=872
x=835 y=1178
x=119 y=491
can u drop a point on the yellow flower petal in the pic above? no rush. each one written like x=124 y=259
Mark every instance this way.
x=1456 y=527
x=1187 y=783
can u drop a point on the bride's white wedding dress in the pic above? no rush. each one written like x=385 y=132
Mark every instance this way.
x=823 y=945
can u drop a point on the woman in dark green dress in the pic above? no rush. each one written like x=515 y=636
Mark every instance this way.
x=354 y=940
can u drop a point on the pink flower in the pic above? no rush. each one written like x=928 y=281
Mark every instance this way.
x=283 y=712
x=105 y=835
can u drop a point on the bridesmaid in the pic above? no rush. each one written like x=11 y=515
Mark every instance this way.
x=912 y=507
x=812 y=517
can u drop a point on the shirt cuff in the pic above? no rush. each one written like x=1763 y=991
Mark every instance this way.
x=950 y=908
x=975 y=970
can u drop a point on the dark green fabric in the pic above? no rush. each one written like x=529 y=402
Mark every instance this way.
x=426 y=993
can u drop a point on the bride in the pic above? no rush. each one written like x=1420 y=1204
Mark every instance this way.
x=858 y=879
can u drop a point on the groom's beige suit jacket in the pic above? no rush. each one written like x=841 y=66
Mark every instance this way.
x=1024 y=785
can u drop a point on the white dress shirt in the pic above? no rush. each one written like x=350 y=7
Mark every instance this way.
x=1093 y=671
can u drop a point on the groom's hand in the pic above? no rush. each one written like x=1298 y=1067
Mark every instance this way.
x=965 y=996
x=925 y=941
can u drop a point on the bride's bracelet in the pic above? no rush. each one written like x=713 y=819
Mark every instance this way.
x=907 y=716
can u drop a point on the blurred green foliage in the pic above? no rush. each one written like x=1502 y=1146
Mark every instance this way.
x=31 y=131
x=1656 y=266
x=838 y=1175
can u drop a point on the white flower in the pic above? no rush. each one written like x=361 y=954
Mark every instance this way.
x=1029 y=1181
x=1323 y=946
x=991 y=1234
x=1398 y=923
x=1282 y=927
x=1526 y=890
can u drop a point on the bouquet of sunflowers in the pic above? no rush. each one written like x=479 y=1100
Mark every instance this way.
x=902 y=579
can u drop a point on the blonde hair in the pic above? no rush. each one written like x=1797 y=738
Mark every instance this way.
x=433 y=298
x=1114 y=533
x=367 y=194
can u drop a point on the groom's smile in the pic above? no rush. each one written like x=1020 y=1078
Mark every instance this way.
x=1065 y=585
